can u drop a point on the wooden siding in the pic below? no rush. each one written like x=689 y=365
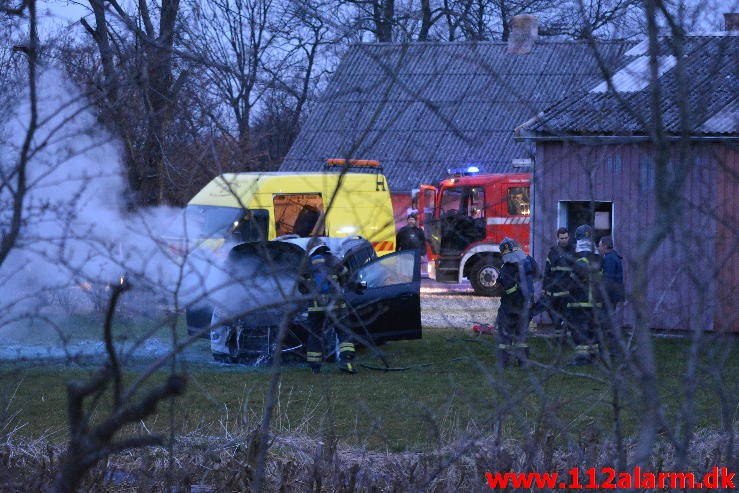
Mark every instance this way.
x=727 y=258
x=690 y=284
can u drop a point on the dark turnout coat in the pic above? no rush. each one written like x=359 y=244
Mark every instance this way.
x=410 y=238
x=613 y=277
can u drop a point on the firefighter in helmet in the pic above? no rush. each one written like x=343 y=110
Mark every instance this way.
x=556 y=279
x=512 y=323
x=584 y=302
x=323 y=282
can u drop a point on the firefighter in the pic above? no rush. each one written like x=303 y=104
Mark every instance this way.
x=556 y=278
x=512 y=322
x=324 y=282
x=584 y=299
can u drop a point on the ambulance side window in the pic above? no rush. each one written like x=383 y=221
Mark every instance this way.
x=298 y=213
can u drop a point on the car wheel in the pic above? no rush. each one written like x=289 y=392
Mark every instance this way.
x=293 y=357
x=232 y=344
x=221 y=358
x=198 y=317
x=484 y=276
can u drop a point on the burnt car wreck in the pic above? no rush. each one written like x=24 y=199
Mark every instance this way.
x=259 y=310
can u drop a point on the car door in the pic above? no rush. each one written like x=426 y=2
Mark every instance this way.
x=385 y=298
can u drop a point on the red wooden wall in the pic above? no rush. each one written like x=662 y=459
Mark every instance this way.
x=693 y=272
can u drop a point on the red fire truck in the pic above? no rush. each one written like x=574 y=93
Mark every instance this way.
x=466 y=217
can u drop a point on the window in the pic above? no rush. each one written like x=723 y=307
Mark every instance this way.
x=597 y=214
x=519 y=203
x=298 y=214
x=389 y=270
x=477 y=202
x=450 y=199
x=467 y=201
x=252 y=226
x=429 y=202
x=207 y=221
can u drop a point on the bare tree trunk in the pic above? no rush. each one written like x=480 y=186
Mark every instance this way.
x=159 y=97
x=147 y=168
x=383 y=13
x=426 y=21
x=21 y=168
x=89 y=444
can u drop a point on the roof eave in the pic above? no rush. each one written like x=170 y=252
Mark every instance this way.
x=523 y=135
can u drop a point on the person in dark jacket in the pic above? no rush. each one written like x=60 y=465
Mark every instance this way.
x=411 y=237
x=613 y=286
x=512 y=321
x=323 y=282
x=584 y=299
x=556 y=278
x=613 y=272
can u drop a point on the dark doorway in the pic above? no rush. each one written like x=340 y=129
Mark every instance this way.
x=597 y=214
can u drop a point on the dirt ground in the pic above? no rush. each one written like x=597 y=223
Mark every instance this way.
x=454 y=306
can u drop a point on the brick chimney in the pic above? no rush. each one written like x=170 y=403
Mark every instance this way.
x=524 y=31
x=731 y=21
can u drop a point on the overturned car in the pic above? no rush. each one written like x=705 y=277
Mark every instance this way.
x=259 y=299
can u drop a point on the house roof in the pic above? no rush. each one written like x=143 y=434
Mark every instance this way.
x=423 y=107
x=710 y=91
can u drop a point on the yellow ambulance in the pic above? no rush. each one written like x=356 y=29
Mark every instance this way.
x=350 y=197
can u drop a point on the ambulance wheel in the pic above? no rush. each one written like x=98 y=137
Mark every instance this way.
x=484 y=277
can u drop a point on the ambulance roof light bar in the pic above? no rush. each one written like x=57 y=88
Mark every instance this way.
x=353 y=163
x=361 y=165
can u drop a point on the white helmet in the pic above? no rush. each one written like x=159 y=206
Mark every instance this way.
x=316 y=245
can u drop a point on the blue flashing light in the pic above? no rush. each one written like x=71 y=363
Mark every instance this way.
x=465 y=171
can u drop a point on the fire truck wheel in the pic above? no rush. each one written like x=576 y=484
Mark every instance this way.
x=484 y=277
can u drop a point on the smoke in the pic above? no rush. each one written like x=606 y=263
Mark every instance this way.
x=76 y=238
x=255 y=289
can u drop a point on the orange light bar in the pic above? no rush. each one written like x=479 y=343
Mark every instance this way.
x=372 y=163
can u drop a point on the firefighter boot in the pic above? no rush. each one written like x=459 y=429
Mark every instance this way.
x=522 y=355
x=346 y=357
x=502 y=356
x=314 y=361
x=561 y=334
x=347 y=366
x=582 y=356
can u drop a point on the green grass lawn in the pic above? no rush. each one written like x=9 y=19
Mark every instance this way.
x=451 y=388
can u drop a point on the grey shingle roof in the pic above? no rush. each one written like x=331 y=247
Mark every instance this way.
x=710 y=65
x=423 y=107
